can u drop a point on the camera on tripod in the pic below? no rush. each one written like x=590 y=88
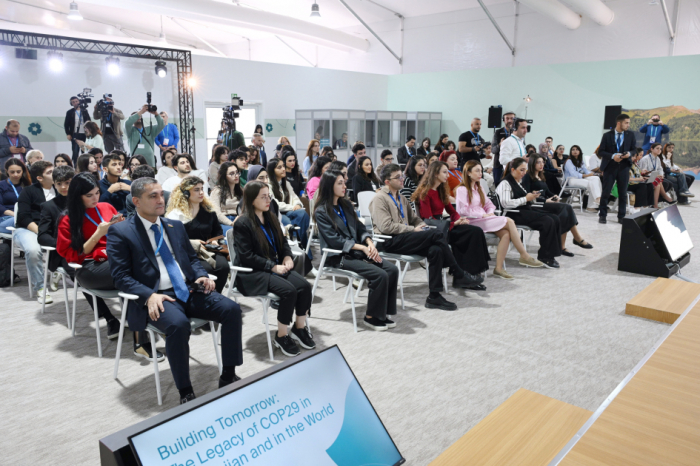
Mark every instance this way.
x=151 y=108
x=84 y=98
x=104 y=106
x=229 y=117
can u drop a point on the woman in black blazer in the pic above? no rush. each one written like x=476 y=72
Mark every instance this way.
x=365 y=179
x=260 y=245
x=339 y=228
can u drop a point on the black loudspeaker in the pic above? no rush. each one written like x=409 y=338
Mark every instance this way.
x=495 y=114
x=611 y=114
x=642 y=248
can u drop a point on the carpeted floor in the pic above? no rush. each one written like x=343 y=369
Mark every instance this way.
x=562 y=333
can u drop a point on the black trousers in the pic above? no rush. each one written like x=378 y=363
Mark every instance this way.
x=498 y=174
x=95 y=275
x=220 y=271
x=470 y=249
x=102 y=309
x=176 y=325
x=564 y=212
x=112 y=142
x=615 y=172
x=643 y=194
x=553 y=182
x=383 y=283
x=547 y=225
x=429 y=243
x=689 y=180
x=76 y=151
x=295 y=294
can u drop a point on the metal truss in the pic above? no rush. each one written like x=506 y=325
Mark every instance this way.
x=183 y=58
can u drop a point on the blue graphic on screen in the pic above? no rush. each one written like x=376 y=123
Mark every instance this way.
x=311 y=413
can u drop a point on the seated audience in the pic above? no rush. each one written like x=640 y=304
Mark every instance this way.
x=327 y=151
x=340 y=229
x=261 y=246
x=317 y=169
x=432 y=158
x=441 y=145
x=450 y=146
x=473 y=204
x=594 y=161
x=182 y=163
x=365 y=179
x=535 y=181
x=559 y=158
x=454 y=175
x=93 y=137
x=667 y=155
x=167 y=170
x=82 y=239
x=311 y=156
x=393 y=216
x=152 y=258
x=189 y=205
x=28 y=214
x=62 y=159
x=645 y=194
x=290 y=205
x=424 y=148
x=134 y=162
x=293 y=175
x=673 y=174
x=651 y=164
x=10 y=189
x=114 y=189
x=581 y=177
x=341 y=143
x=142 y=171
x=407 y=151
x=487 y=166
x=512 y=195
x=253 y=155
x=240 y=158
x=468 y=242
x=220 y=156
x=415 y=169
x=227 y=195
x=387 y=158
x=98 y=154
x=88 y=164
x=358 y=151
x=34 y=155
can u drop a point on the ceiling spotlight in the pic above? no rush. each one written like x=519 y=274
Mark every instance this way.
x=74 y=13
x=55 y=61
x=192 y=81
x=113 y=65
x=161 y=69
x=314 y=11
x=527 y=99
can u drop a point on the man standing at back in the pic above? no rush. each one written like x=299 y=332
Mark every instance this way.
x=141 y=137
x=152 y=257
x=470 y=144
x=74 y=124
x=616 y=148
x=500 y=135
x=13 y=144
x=258 y=143
x=653 y=131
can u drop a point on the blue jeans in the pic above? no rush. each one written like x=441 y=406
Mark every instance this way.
x=27 y=240
x=300 y=219
x=6 y=221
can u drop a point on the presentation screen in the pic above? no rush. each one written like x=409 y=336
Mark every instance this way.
x=672 y=229
x=313 y=412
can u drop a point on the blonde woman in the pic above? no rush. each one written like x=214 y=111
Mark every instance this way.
x=189 y=205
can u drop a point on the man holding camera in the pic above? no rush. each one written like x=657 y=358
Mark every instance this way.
x=74 y=126
x=13 y=144
x=111 y=125
x=652 y=131
x=141 y=139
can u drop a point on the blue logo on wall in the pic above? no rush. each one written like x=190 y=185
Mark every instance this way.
x=295 y=126
x=34 y=128
x=268 y=127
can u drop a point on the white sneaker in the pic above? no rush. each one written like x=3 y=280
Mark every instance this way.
x=53 y=285
x=40 y=297
x=631 y=210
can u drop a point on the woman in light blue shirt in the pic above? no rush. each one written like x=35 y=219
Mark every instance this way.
x=311 y=156
x=579 y=176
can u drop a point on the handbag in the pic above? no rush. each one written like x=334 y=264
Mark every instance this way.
x=442 y=225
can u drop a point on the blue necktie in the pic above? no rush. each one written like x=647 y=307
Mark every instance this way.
x=619 y=142
x=181 y=291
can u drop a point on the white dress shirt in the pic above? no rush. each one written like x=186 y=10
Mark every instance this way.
x=174 y=181
x=165 y=282
x=505 y=195
x=511 y=148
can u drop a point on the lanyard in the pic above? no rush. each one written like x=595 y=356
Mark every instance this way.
x=13 y=188
x=478 y=138
x=16 y=144
x=506 y=131
x=456 y=174
x=341 y=214
x=140 y=134
x=94 y=222
x=517 y=141
x=398 y=205
x=654 y=160
x=653 y=130
x=80 y=117
x=619 y=139
x=269 y=237
x=160 y=241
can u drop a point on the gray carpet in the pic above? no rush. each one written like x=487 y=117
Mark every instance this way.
x=562 y=333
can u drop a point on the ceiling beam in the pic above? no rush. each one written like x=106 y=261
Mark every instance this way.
x=400 y=59
x=498 y=28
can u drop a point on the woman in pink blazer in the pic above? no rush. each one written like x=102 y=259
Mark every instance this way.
x=474 y=205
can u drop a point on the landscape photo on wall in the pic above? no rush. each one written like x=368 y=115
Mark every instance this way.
x=685 y=133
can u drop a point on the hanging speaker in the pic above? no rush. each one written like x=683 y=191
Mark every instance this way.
x=495 y=114
x=611 y=114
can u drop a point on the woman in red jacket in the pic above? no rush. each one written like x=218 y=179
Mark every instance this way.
x=468 y=242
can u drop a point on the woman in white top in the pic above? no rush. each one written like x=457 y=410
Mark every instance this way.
x=167 y=170
x=289 y=203
x=667 y=155
x=93 y=138
x=220 y=156
x=594 y=161
x=227 y=195
x=487 y=164
x=653 y=163
x=581 y=177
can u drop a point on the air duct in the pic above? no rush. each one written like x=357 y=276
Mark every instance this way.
x=594 y=9
x=556 y=11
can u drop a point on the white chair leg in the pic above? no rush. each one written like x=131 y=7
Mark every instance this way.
x=347 y=292
x=122 y=321
x=46 y=272
x=97 y=325
x=12 y=260
x=212 y=324
x=265 y=303
x=352 y=305
x=318 y=275
x=75 y=302
x=402 y=274
x=444 y=280
x=155 y=365
x=359 y=288
x=334 y=285
x=65 y=297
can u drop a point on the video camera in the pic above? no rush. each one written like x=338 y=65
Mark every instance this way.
x=229 y=118
x=104 y=106
x=84 y=98
x=151 y=108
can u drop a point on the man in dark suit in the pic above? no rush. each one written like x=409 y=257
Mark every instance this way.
x=152 y=258
x=74 y=124
x=616 y=148
x=407 y=151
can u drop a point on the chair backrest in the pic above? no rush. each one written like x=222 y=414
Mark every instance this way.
x=231 y=249
x=484 y=186
x=312 y=203
x=364 y=199
x=15 y=220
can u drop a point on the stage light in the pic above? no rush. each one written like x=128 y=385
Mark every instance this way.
x=315 y=14
x=55 y=61
x=74 y=13
x=113 y=65
x=528 y=99
x=192 y=81
x=161 y=69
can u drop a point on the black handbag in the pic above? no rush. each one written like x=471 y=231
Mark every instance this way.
x=442 y=225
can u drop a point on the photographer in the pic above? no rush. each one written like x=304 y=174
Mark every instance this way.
x=111 y=125
x=13 y=144
x=74 y=125
x=169 y=137
x=141 y=139
x=652 y=132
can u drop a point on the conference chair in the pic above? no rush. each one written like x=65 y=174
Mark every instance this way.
x=579 y=191
x=14 y=245
x=522 y=229
x=312 y=228
x=47 y=251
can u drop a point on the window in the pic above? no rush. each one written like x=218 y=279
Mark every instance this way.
x=245 y=123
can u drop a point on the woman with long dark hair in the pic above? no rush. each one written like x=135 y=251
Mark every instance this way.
x=317 y=169
x=365 y=179
x=513 y=195
x=261 y=245
x=227 y=195
x=82 y=239
x=289 y=203
x=558 y=157
x=675 y=173
x=580 y=176
x=340 y=229
x=220 y=156
x=416 y=167
x=311 y=156
x=468 y=242
x=17 y=178
x=291 y=166
x=454 y=175
x=62 y=159
x=645 y=194
x=441 y=144
x=88 y=164
x=424 y=148
x=135 y=161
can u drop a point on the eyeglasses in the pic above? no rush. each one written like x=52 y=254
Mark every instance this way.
x=234 y=174
x=389 y=159
x=265 y=197
x=400 y=177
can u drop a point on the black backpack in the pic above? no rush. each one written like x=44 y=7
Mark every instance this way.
x=5 y=270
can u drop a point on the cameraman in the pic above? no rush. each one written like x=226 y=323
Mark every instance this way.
x=652 y=131
x=74 y=124
x=111 y=124
x=142 y=140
